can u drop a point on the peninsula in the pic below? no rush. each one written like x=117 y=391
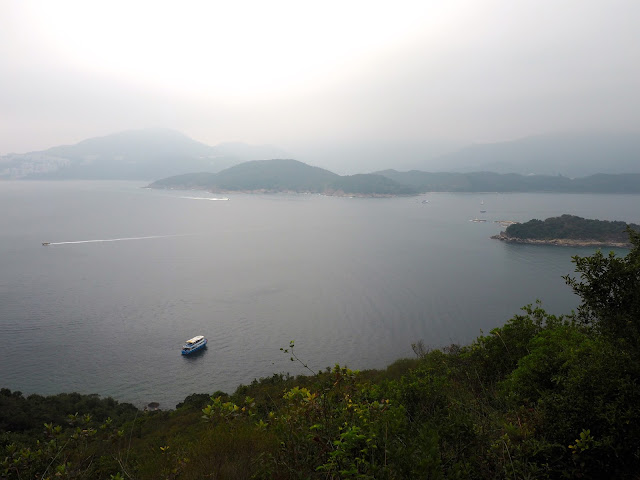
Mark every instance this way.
x=292 y=176
x=286 y=176
x=569 y=230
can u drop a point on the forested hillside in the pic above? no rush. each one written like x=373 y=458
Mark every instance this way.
x=293 y=176
x=274 y=176
x=512 y=182
x=571 y=227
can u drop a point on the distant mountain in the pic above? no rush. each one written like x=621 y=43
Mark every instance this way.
x=371 y=183
x=274 y=175
x=295 y=176
x=285 y=176
x=572 y=155
x=511 y=182
x=130 y=155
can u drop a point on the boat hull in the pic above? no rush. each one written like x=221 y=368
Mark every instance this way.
x=194 y=348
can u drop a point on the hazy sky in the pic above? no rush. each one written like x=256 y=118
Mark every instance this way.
x=301 y=74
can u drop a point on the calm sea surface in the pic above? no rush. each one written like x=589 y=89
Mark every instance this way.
x=352 y=281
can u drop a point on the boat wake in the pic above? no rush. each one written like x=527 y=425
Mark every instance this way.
x=223 y=199
x=114 y=239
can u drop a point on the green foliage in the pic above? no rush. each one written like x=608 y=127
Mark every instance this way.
x=494 y=356
x=609 y=287
x=578 y=381
x=20 y=414
x=79 y=448
x=571 y=227
x=197 y=400
x=339 y=429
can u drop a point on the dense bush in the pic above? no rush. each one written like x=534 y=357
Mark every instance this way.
x=571 y=227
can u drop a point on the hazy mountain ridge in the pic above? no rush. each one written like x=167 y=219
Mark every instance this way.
x=159 y=153
x=512 y=182
x=568 y=154
x=130 y=155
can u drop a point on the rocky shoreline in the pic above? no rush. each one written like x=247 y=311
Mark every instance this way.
x=268 y=191
x=326 y=193
x=563 y=242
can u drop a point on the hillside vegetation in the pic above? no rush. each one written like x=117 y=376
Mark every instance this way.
x=286 y=176
x=512 y=182
x=542 y=397
x=174 y=160
x=572 y=227
x=293 y=176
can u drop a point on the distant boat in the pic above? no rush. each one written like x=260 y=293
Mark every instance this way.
x=478 y=220
x=44 y=244
x=483 y=211
x=194 y=344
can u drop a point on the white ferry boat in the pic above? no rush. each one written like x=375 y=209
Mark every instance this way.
x=194 y=344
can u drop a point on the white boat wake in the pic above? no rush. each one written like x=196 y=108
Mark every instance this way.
x=224 y=199
x=114 y=239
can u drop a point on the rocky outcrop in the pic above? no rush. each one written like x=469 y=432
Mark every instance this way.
x=563 y=242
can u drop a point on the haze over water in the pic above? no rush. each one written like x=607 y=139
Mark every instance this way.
x=131 y=273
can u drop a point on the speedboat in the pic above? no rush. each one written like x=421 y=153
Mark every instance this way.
x=194 y=344
x=44 y=244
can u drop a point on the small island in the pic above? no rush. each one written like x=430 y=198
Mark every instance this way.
x=569 y=230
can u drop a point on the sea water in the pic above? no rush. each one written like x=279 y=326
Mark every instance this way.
x=131 y=273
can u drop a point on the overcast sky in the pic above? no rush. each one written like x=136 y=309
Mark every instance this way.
x=329 y=74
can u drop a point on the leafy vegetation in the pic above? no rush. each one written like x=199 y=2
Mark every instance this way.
x=542 y=397
x=571 y=227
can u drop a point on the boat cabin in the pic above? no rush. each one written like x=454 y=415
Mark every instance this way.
x=195 y=340
x=194 y=344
